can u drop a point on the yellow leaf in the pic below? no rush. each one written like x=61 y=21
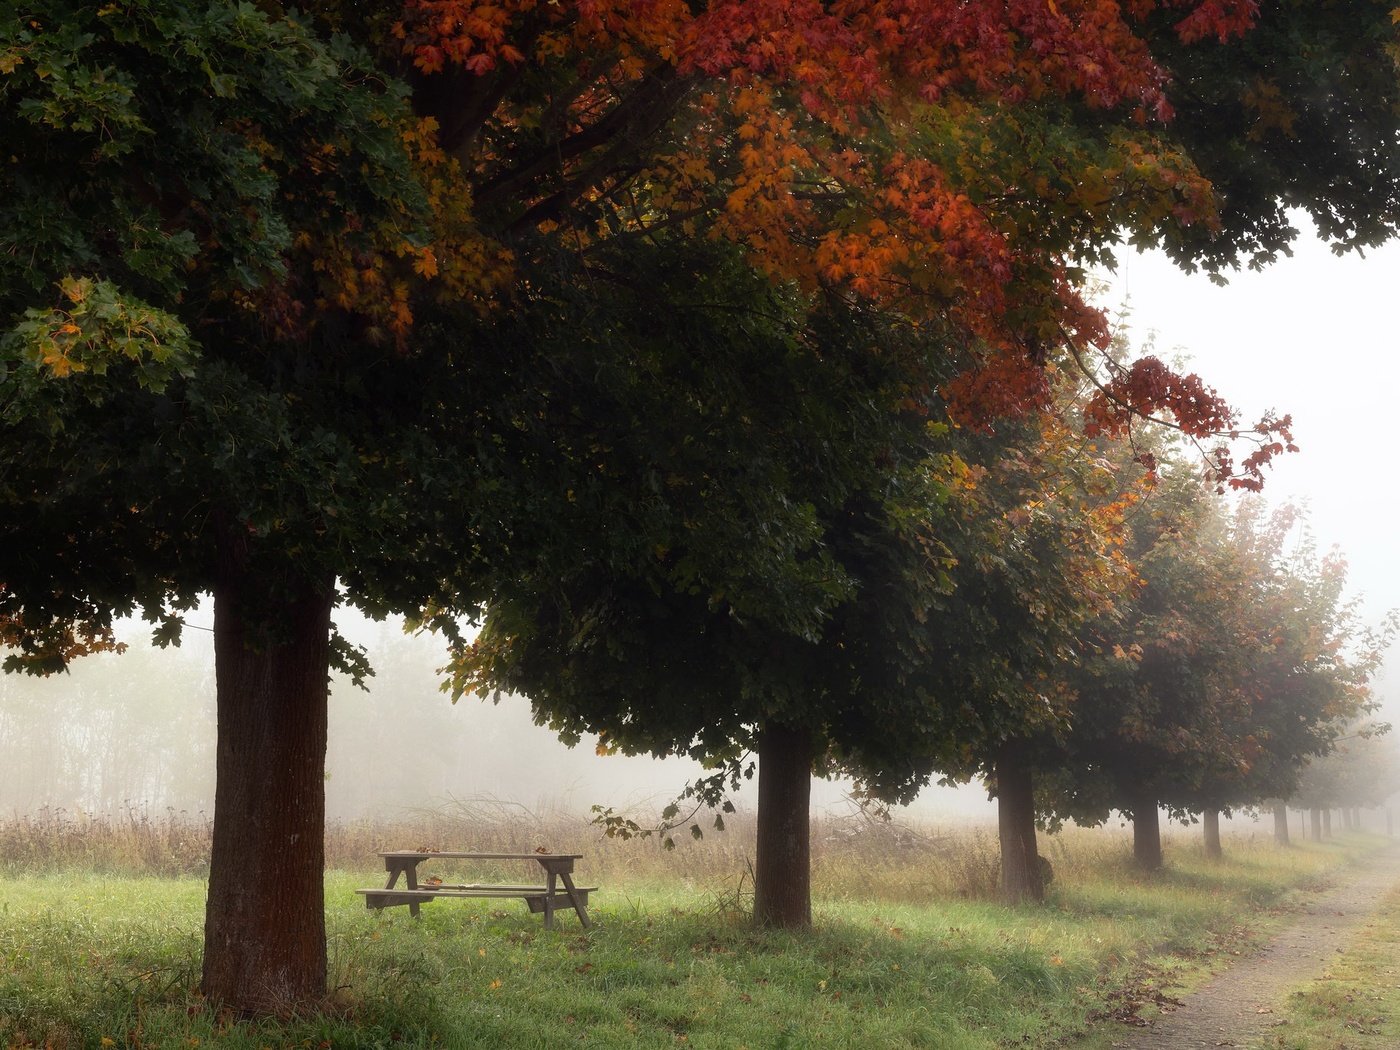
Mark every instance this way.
x=495 y=984
x=426 y=264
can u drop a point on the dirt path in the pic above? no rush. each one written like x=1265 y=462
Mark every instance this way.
x=1237 y=1007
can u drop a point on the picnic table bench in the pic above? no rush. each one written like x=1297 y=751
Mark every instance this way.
x=558 y=868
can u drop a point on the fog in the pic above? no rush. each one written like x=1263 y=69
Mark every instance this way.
x=137 y=731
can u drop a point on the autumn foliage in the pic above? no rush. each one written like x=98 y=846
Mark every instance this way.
x=950 y=161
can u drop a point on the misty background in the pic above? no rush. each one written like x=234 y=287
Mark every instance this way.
x=137 y=731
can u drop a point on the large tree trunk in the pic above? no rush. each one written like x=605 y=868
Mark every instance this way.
x=1210 y=823
x=1315 y=823
x=1281 y=824
x=1147 y=834
x=1021 y=877
x=782 y=891
x=264 y=929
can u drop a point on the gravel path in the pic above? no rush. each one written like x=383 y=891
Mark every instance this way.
x=1237 y=1007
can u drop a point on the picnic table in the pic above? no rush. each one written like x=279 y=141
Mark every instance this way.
x=558 y=868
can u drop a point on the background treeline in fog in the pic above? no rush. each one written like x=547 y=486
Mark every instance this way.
x=136 y=732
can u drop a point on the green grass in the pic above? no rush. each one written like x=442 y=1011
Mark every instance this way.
x=907 y=953
x=1355 y=1003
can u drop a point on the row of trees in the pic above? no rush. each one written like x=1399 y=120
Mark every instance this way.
x=689 y=336
x=1084 y=636
x=1234 y=664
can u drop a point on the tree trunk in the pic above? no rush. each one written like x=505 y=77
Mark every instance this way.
x=264 y=930
x=1281 y=824
x=1327 y=823
x=782 y=891
x=1315 y=821
x=1210 y=822
x=1021 y=876
x=1147 y=834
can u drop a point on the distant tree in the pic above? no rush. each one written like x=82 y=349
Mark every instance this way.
x=1235 y=663
x=1306 y=665
x=105 y=737
x=1361 y=771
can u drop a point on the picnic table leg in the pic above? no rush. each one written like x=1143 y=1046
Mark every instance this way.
x=409 y=869
x=549 y=898
x=574 y=899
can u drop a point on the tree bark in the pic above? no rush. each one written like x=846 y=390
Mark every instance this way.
x=1021 y=877
x=264 y=930
x=782 y=891
x=1210 y=823
x=1281 y=824
x=1147 y=834
x=1327 y=823
x=1315 y=823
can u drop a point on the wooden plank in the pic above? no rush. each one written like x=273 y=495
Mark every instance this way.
x=561 y=900
x=405 y=896
x=393 y=898
x=446 y=855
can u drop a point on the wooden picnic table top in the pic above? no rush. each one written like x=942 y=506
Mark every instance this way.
x=451 y=855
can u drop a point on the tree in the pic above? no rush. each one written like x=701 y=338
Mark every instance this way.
x=746 y=532
x=251 y=347
x=1028 y=596
x=1157 y=676
x=167 y=431
x=1307 y=665
x=1236 y=663
x=1359 y=771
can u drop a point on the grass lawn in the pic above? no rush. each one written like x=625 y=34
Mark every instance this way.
x=901 y=957
x=1355 y=1003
